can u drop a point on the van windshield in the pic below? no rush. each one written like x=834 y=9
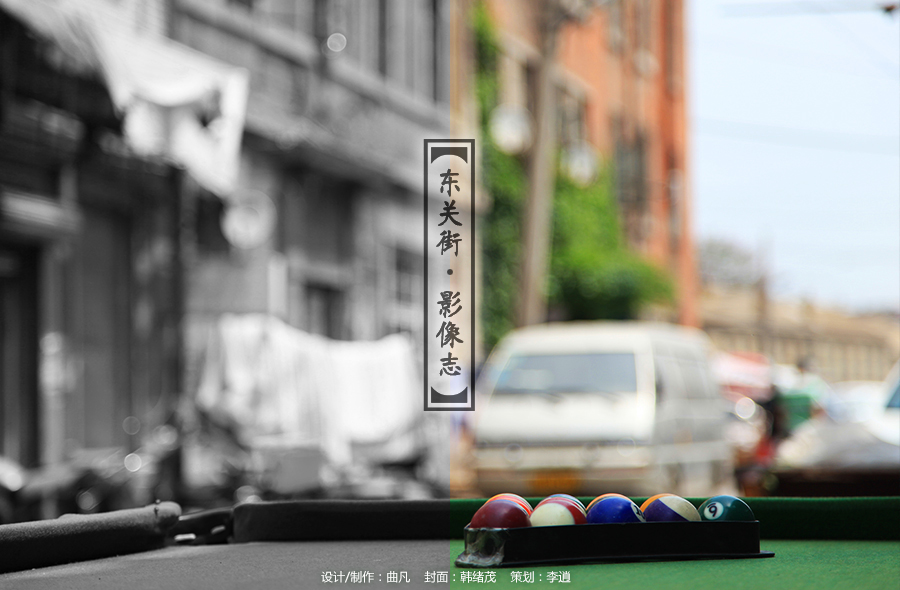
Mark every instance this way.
x=894 y=402
x=568 y=373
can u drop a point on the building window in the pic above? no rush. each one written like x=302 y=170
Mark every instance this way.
x=291 y=15
x=19 y=411
x=616 y=28
x=405 y=308
x=437 y=47
x=675 y=190
x=407 y=269
x=631 y=187
x=366 y=24
x=531 y=87
x=325 y=311
x=245 y=4
x=208 y=215
x=383 y=37
x=644 y=17
x=319 y=219
x=571 y=119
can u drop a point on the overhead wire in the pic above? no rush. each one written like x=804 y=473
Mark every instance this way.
x=797 y=137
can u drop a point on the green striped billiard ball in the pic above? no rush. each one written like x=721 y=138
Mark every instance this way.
x=722 y=508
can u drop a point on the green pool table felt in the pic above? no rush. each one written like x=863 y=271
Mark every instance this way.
x=849 y=544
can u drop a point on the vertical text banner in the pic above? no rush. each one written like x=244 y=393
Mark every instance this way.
x=449 y=274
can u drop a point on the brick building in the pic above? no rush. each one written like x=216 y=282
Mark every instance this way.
x=621 y=87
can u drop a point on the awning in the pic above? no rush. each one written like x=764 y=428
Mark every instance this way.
x=745 y=374
x=176 y=102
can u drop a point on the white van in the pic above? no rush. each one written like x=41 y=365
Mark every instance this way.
x=598 y=407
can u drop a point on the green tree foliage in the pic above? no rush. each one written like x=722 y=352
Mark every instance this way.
x=504 y=179
x=592 y=275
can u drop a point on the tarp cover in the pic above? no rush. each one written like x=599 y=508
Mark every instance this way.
x=268 y=378
x=176 y=102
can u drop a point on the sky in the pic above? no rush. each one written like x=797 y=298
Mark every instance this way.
x=795 y=143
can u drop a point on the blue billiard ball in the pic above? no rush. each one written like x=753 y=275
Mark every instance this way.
x=614 y=509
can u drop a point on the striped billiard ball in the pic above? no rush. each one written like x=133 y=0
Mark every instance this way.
x=515 y=498
x=548 y=512
x=568 y=497
x=557 y=512
x=500 y=513
x=669 y=508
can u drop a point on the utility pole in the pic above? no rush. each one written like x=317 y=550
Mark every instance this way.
x=763 y=304
x=541 y=175
x=551 y=15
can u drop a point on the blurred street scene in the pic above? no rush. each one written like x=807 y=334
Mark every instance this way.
x=212 y=269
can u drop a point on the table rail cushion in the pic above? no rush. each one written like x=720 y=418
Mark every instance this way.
x=79 y=537
x=341 y=520
x=779 y=518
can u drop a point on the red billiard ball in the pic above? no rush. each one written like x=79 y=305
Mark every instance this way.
x=572 y=503
x=500 y=514
x=564 y=499
x=557 y=511
x=515 y=498
x=569 y=497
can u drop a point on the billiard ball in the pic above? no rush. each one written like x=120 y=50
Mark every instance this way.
x=515 y=498
x=669 y=508
x=574 y=503
x=556 y=513
x=614 y=509
x=568 y=497
x=600 y=497
x=552 y=515
x=651 y=499
x=725 y=508
x=500 y=513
